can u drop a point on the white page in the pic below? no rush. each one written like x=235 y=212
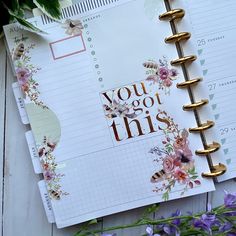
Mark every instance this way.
x=212 y=24
x=102 y=172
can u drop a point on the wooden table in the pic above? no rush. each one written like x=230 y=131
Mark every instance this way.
x=21 y=208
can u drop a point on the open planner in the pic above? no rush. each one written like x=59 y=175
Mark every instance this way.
x=122 y=115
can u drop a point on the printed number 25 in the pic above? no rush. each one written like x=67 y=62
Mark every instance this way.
x=201 y=42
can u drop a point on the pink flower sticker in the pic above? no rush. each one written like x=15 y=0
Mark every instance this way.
x=176 y=160
x=23 y=75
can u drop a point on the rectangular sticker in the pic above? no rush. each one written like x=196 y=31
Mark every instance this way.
x=67 y=47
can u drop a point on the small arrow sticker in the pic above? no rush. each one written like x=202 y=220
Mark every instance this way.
x=223 y=140
x=211 y=96
x=217 y=116
x=228 y=161
x=202 y=62
x=204 y=72
x=199 y=51
x=226 y=151
x=214 y=106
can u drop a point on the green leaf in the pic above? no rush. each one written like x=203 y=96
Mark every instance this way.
x=92 y=222
x=27 y=4
x=153 y=208
x=24 y=22
x=192 y=171
x=49 y=7
x=13 y=4
x=165 y=196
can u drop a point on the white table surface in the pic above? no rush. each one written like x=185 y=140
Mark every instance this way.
x=22 y=212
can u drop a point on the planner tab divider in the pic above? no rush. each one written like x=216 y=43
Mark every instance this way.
x=46 y=201
x=20 y=103
x=173 y=15
x=33 y=152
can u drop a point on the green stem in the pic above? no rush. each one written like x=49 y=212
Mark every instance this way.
x=217 y=211
x=137 y=224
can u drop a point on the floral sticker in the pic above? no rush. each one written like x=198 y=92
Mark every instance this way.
x=176 y=160
x=73 y=27
x=160 y=73
x=25 y=72
x=49 y=166
x=116 y=109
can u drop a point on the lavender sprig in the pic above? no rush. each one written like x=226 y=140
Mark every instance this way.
x=217 y=221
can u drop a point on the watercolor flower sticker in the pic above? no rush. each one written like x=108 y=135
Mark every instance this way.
x=116 y=109
x=23 y=75
x=25 y=72
x=160 y=73
x=174 y=160
x=49 y=165
x=73 y=27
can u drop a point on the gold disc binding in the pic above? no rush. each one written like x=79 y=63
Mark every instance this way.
x=178 y=37
x=195 y=105
x=216 y=170
x=183 y=60
x=172 y=15
x=203 y=127
x=210 y=149
x=188 y=83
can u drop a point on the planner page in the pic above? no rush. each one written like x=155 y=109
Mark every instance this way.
x=104 y=109
x=212 y=24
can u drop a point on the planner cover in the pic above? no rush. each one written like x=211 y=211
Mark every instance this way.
x=106 y=116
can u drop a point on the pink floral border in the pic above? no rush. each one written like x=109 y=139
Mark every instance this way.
x=25 y=72
x=175 y=159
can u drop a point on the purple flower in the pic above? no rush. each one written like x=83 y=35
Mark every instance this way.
x=168 y=229
x=230 y=200
x=23 y=75
x=201 y=225
x=164 y=73
x=225 y=227
x=229 y=214
x=176 y=221
x=171 y=230
x=150 y=232
x=206 y=222
x=210 y=219
x=173 y=72
x=48 y=175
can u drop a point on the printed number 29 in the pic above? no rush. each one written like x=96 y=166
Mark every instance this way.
x=224 y=131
